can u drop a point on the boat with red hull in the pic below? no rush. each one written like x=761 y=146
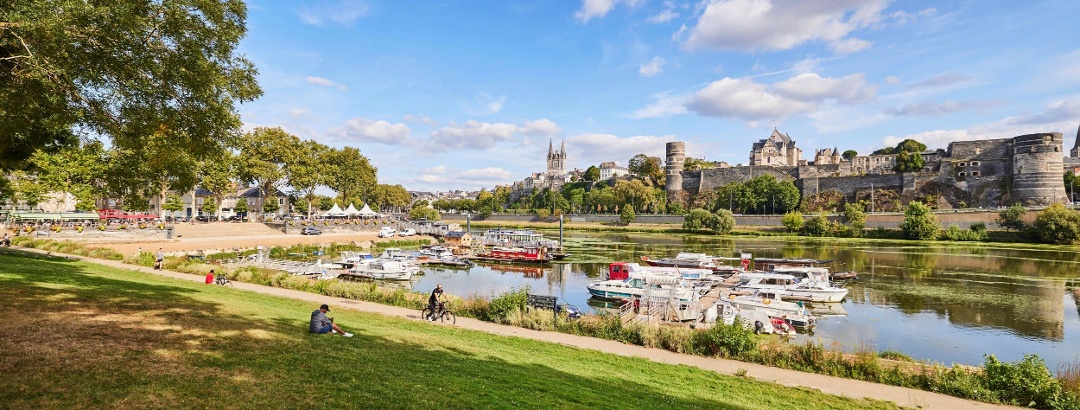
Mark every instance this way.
x=526 y=254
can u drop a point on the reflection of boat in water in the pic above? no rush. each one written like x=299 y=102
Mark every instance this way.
x=528 y=271
x=827 y=309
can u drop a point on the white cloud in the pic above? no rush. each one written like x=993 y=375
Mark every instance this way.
x=812 y=87
x=487 y=104
x=473 y=135
x=745 y=99
x=298 y=112
x=1059 y=116
x=476 y=177
x=902 y=18
x=663 y=105
x=364 y=129
x=753 y=25
x=933 y=139
x=343 y=12
x=324 y=81
x=591 y=9
x=849 y=46
x=420 y=118
x=893 y=80
x=654 y=67
x=935 y=108
x=665 y=16
x=540 y=128
x=594 y=148
x=941 y=80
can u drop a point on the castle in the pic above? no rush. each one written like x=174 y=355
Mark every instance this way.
x=988 y=173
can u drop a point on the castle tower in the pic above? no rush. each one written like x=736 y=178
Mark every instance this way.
x=1036 y=168
x=1075 y=152
x=676 y=155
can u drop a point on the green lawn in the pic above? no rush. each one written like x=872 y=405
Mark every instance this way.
x=79 y=335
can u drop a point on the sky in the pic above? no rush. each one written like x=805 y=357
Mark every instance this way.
x=443 y=95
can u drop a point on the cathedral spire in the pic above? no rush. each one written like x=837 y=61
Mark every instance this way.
x=551 y=147
x=562 y=149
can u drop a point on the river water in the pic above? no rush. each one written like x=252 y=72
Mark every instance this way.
x=943 y=303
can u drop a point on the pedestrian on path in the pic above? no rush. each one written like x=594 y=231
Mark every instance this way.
x=159 y=257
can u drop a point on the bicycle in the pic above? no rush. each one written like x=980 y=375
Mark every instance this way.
x=443 y=314
x=223 y=280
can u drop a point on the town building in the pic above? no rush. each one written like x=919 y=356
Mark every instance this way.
x=609 y=170
x=776 y=150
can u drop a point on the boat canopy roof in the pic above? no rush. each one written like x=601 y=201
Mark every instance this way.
x=765 y=275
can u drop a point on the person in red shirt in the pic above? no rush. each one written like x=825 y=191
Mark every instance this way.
x=210 y=277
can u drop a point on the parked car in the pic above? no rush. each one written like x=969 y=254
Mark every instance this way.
x=408 y=232
x=387 y=232
x=202 y=218
x=310 y=231
x=571 y=311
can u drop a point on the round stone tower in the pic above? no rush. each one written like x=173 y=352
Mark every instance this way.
x=676 y=154
x=1037 y=168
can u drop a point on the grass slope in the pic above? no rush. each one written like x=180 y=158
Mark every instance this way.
x=79 y=335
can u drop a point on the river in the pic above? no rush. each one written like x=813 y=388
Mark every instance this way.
x=948 y=303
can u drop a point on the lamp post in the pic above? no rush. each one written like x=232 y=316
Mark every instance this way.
x=871 y=197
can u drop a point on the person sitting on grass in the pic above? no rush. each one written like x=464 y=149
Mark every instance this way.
x=210 y=277
x=320 y=324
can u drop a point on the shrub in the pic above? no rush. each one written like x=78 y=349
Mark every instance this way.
x=696 y=219
x=855 y=215
x=722 y=222
x=732 y=341
x=1024 y=383
x=1057 y=225
x=542 y=213
x=627 y=215
x=919 y=222
x=793 y=221
x=816 y=226
x=503 y=305
x=1011 y=218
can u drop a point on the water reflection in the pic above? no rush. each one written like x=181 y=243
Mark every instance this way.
x=946 y=303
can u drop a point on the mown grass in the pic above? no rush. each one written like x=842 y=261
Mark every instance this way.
x=80 y=335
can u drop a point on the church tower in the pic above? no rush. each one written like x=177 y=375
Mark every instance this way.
x=1075 y=152
x=556 y=160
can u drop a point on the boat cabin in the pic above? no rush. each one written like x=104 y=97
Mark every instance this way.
x=774 y=263
x=526 y=253
x=618 y=271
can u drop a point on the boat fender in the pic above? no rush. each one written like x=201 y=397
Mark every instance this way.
x=766 y=301
x=731 y=297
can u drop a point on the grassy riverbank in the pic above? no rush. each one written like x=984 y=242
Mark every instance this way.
x=84 y=335
x=1028 y=382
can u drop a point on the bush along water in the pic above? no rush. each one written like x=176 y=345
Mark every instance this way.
x=1024 y=383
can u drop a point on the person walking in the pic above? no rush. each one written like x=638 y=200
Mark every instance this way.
x=320 y=324
x=159 y=257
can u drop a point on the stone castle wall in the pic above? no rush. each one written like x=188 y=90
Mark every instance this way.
x=987 y=173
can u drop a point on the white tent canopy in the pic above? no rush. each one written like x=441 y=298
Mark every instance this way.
x=351 y=210
x=366 y=212
x=335 y=211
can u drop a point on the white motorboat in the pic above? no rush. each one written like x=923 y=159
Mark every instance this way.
x=350 y=259
x=794 y=313
x=634 y=285
x=622 y=270
x=385 y=270
x=788 y=285
x=398 y=255
x=437 y=252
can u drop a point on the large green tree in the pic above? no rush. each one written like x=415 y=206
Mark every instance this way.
x=350 y=173
x=304 y=169
x=264 y=155
x=592 y=173
x=216 y=175
x=122 y=70
x=646 y=167
x=79 y=170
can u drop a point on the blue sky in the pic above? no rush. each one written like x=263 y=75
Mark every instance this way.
x=449 y=94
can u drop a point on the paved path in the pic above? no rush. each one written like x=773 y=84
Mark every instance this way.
x=827 y=384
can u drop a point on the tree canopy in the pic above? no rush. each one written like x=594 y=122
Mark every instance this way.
x=124 y=71
x=645 y=166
